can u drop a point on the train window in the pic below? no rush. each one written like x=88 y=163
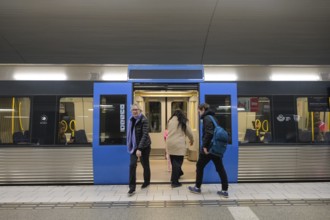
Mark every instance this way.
x=15 y=120
x=221 y=105
x=179 y=105
x=254 y=120
x=75 y=120
x=153 y=113
x=313 y=119
x=113 y=119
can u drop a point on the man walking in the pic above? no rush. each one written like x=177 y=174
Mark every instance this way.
x=205 y=157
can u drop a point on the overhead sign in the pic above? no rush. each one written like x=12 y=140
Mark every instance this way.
x=318 y=104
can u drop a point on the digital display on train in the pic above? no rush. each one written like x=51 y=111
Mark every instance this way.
x=113 y=119
x=318 y=104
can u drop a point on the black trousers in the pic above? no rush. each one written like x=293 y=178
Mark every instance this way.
x=144 y=159
x=203 y=160
x=176 y=162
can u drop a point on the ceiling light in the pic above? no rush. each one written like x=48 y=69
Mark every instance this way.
x=221 y=76
x=115 y=76
x=294 y=77
x=6 y=110
x=40 y=76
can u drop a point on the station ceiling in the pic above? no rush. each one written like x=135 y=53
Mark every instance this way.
x=256 y=32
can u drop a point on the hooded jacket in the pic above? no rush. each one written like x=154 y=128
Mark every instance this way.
x=208 y=130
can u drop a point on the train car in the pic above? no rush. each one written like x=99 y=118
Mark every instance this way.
x=66 y=124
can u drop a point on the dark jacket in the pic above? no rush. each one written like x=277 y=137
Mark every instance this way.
x=208 y=129
x=142 y=133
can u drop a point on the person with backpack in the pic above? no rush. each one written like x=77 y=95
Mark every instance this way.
x=206 y=155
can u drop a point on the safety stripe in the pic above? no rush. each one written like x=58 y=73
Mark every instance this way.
x=242 y=213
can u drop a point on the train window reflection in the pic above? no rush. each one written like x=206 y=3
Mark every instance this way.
x=15 y=120
x=153 y=113
x=179 y=105
x=254 y=120
x=221 y=105
x=313 y=123
x=113 y=119
x=75 y=124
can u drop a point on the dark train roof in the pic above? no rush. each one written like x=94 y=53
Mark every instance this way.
x=165 y=32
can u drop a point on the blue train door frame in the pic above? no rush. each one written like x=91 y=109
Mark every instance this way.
x=110 y=156
x=230 y=158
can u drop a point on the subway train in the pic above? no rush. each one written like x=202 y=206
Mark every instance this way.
x=66 y=124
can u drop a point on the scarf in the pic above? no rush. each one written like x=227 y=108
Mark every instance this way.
x=131 y=139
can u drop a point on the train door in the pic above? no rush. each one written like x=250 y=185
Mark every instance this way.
x=222 y=98
x=111 y=112
x=155 y=111
x=158 y=106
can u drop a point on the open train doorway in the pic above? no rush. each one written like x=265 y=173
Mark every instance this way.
x=111 y=111
x=158 y=106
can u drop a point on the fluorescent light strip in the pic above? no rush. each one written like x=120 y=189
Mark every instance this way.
x=6 y=110
x=40 y=76
x=294 y=77
x=220 y=77
x=114 y=76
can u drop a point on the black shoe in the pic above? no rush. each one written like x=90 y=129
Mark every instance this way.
x=223 y=193
x=131 y=192
x=194 y=189
x=145 y=185
x=175 y=185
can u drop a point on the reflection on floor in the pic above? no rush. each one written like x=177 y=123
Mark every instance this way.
x=159 y=173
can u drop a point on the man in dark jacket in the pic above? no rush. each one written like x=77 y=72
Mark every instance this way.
x=138 y=141
x=205 y=157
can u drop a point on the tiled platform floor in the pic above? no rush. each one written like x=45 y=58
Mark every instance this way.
x=162 y=192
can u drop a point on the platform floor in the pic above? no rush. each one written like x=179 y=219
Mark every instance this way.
x=159 y=201
x=162 y=192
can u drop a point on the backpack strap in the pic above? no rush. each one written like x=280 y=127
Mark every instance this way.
x=214 y=122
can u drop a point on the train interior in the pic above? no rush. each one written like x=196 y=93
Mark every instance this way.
x=158 y=106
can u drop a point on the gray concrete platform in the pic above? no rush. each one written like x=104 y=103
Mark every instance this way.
x=159 y=201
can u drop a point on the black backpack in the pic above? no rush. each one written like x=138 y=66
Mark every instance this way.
x=219 y=141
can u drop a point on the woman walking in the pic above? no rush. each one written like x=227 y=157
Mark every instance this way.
x=178 y=129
